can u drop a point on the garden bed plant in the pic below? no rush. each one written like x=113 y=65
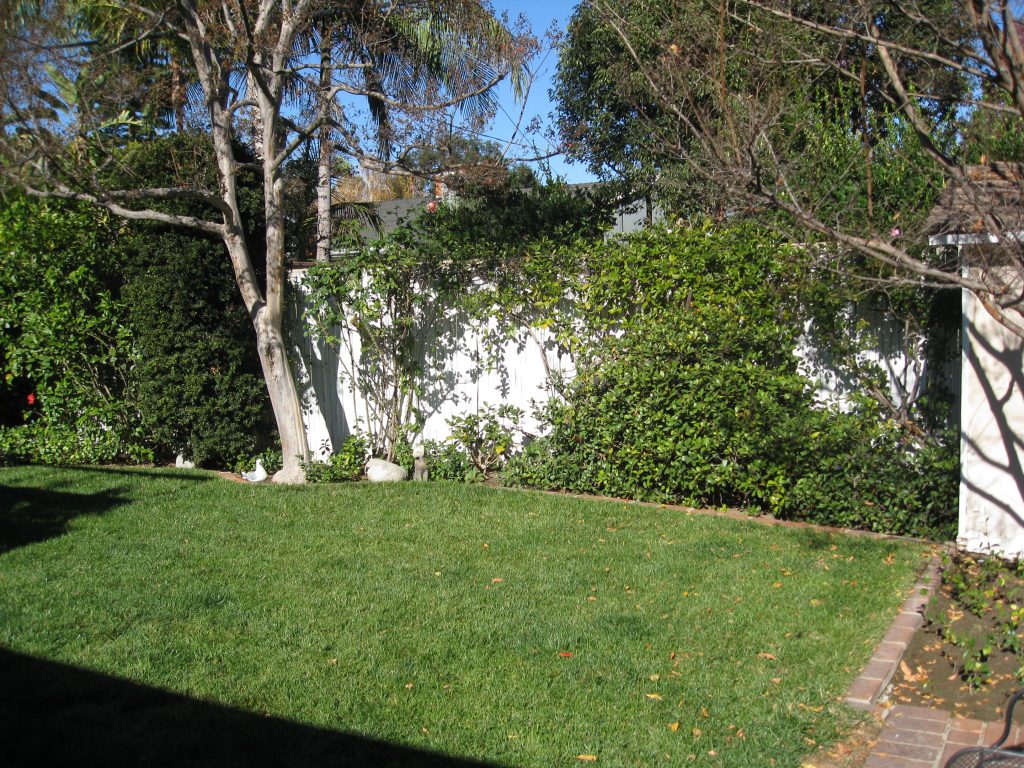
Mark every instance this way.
x=966 y=658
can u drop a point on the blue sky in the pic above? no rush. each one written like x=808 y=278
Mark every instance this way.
x=541 y=14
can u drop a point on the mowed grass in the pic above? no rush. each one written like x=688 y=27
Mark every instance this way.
x=515 y=628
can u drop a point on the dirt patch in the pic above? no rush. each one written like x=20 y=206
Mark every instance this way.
x=966 y=657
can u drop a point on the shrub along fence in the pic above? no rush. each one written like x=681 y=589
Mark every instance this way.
x=661 y=367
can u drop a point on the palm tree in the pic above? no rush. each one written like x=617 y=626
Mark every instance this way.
x=403 y=53
x=391 y=54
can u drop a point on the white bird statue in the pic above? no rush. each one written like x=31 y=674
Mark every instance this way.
x=258 y=475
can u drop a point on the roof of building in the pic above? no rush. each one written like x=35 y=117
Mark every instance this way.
x=995 y=189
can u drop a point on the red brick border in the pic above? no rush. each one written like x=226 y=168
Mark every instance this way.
x=872 y=681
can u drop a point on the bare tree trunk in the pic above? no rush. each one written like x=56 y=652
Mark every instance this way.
x=266 y=312
x=284 y=396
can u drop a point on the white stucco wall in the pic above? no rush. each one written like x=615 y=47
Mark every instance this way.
x=992 y=426
x=463 y=378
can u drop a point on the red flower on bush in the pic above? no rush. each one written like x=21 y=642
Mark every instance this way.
x=31 y=398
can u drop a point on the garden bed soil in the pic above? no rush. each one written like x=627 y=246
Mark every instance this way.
x=965 y=658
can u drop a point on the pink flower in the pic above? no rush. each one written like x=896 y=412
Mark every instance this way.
x=895 y=232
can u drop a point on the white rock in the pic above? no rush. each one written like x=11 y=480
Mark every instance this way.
x=380 y=471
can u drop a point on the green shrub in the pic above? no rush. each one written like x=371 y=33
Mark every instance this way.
x=860 y=472
x=64 y=341
x=346 y=465
x=689 y=393
x=200 y=386
x=446 y=461
x=486 y=437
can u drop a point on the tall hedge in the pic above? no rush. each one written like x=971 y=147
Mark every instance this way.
x=200 y=390
x=689 y=392
x=126 y=341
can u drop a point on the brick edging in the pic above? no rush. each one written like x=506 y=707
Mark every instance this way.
x=865 y=691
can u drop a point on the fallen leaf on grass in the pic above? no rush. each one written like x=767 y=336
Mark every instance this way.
x=496 y=581
x=653 y=696
x=587 y=758
x=565 y=655
x=673 y=726
x=766 y=655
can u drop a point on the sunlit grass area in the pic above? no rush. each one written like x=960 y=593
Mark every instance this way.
x=508 y=627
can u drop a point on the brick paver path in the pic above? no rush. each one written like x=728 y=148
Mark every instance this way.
x=917 y=737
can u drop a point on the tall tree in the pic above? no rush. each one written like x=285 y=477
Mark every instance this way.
x=54 y=145
x=739 y=98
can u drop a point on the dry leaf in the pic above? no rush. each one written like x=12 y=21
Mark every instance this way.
x=673 y=726
x=565 y=655
x=496 y=581
x=765 y=655
x=587 y=758
x=697 y=733
x=653 y=696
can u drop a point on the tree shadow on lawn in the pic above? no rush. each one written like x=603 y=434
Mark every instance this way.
x=54 y=714
x=28 y=515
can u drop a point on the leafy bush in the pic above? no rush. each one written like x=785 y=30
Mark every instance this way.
x=346 y=465
x=860 y=472
x=689 y=392
x=200 y=389
x=65 y=350
x=446 y=461
x=486 y=437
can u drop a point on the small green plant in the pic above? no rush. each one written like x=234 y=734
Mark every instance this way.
x=344 y=466
x=487 y=436
x=446 y=461
x=975 y=669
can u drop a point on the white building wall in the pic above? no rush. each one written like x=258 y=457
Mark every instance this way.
x=991 y=449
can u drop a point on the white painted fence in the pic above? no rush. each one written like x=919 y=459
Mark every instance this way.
x=462 y=376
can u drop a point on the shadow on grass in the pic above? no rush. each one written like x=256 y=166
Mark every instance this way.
x=164 y=473
x=54 y=714
x=28 y=515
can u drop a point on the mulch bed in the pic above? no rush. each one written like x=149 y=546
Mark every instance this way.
x=966 y=657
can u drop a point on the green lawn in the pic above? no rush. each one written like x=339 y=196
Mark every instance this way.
x=413 y=624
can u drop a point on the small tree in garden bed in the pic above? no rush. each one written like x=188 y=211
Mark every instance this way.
x=499 y=260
